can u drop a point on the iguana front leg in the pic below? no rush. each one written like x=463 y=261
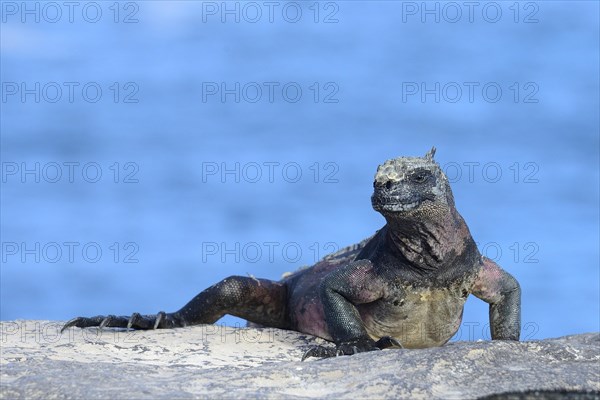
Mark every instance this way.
x=340 y=291
x=502 y=291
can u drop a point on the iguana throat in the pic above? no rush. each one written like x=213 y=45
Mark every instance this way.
x=414 y=196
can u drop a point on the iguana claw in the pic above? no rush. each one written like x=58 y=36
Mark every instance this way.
x=135 y=319
x=106 y=321
x=159 y=317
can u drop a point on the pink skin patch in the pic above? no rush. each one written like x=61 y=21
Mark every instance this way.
x=310 y=318
x=488 y=282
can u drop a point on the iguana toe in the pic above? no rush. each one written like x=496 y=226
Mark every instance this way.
x=107 y=321
x=134 y=320
x=320 y=352
x=72 y=322
x=159 y=318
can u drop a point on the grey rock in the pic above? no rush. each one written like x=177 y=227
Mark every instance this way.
x=207 y=361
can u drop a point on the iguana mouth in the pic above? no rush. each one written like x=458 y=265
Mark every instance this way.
x=393 y=204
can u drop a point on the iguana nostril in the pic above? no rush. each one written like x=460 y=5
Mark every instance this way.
x=388 y=185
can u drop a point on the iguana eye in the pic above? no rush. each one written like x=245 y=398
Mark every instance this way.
x=420 y=177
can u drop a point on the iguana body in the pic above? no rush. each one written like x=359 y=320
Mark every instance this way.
x=405 y=286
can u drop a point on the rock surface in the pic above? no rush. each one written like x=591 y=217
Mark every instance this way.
x=219 y=362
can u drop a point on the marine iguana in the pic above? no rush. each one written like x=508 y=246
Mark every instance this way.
x=405 y=286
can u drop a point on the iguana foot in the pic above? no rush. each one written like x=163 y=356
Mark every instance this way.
x=161 y=320
x=349 y=348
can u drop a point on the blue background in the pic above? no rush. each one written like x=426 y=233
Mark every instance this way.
x=364 y=58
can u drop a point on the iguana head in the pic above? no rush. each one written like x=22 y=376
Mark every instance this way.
x=411 y=185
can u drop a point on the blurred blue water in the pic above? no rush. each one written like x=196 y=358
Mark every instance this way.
x=539 y=218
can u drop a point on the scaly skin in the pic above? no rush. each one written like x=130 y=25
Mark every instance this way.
x=403 y=287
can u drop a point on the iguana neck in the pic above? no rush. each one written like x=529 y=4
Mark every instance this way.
x=428 y=240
